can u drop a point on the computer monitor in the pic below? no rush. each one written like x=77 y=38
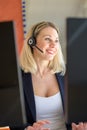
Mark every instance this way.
x=12 y=108
x=76 y=71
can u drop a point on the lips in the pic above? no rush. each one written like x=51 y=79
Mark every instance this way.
x=51 y=52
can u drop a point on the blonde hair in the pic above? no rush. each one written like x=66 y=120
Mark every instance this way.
x=27 y=61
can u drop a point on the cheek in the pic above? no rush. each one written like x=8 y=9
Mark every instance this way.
x=39 y=43
x=58 y=47
x=42 y=45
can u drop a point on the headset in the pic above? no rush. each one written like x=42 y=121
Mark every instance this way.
x=32 y=40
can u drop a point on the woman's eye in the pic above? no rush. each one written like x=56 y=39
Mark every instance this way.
x=56 y=41
x=47 y=39
x=50 y=40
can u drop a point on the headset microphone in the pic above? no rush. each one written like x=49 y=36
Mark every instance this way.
x=31 y=42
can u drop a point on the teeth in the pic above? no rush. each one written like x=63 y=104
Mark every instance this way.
x=50 y=52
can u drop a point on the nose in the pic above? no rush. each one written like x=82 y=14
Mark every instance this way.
x=52 y=44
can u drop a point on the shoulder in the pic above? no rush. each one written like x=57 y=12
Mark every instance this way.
x=26 y=77
x=25 y=74
x=60 y=76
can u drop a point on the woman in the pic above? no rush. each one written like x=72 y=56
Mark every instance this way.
x=43 y=71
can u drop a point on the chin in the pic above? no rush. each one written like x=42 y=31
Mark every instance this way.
x=49 y=58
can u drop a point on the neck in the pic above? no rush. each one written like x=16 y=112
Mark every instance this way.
x=42 y=69
x=42 y=66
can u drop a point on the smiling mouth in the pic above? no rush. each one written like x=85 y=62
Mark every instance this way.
x=50 y=52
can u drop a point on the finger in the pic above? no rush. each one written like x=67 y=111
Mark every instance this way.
x=74 y=126
x=85 y=126
x=44 y=121
x=29 y=128
x=39 y=124
x=45 y=128
x=81 y=126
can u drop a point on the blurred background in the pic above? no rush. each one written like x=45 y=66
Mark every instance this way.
x=28 y=12
x=56 y=11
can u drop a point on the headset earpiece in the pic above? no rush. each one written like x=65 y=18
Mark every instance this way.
x=31 y=41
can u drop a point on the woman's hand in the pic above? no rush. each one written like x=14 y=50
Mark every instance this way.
x=39 y=125
x=80 y=126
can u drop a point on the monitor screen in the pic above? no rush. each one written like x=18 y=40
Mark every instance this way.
x=12 y=110
x=76 y=74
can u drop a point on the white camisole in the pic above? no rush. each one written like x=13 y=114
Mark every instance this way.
x=50 y=108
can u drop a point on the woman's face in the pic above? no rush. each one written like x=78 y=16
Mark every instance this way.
x=47 y=40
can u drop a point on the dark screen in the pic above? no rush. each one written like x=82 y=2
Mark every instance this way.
x=12 y=111
x=76 y=74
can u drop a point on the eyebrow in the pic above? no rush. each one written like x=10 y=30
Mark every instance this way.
x=50 y=36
